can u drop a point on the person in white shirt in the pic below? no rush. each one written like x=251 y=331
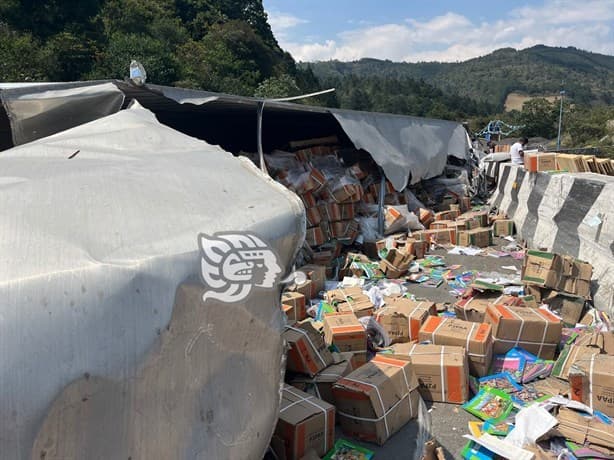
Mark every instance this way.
x=517 y=151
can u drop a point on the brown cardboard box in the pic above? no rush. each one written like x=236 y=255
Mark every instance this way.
x=401 y=318
x=479 y=237
x=391 y=216
x=439 y=224
x=377 y=400
x=481 y=216
x=604 y=341
x=313 y=216
x=539 y=161
x=592 y=382
x=446 y=215
x=309 y=200
x=537 y=331
x=334 y=212
x=399 y=258
x=469 y=223
x=426 y=217
x=440 y=236
x=569 y=355
x=390 y=271
x=308 y=353
x=442 y=371
x=472 y=306
x=562 y=273
x=322 y=384
x=352 y=300
x=296 y=302
x=305 y=422
x=474 y=337
x=503 y=227
x=586 y=431
x=314 y=236
x=416 y=248
x=568 y=307
x=344 y=230
x=343 y=331
x=396 y=240
x=317 y=275
x=306 y=289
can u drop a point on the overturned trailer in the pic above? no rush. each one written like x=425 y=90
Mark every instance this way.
x=108 y=348
x=112 y=347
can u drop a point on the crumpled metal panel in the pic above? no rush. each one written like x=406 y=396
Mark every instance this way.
x=107 y=349
x=405 y=146
x=38 y=111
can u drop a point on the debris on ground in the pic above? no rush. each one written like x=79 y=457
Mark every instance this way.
x=523 y=351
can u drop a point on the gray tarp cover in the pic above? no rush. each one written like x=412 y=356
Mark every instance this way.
x=107 y=351
x=401 y=145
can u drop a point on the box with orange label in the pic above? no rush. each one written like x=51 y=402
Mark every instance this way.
x=401 y=318
x=308 y=353
x=440 y=236
x=535 y=161
x=293 y=304
x=476 y=338
x=592 y=382
x=537 y=331
x=378 y=399
x=442 y=371
x=438 y=224
x=344 y=332
x=305 y=422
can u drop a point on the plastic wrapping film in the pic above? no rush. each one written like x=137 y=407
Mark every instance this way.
x=108 y=349
x=565 y=213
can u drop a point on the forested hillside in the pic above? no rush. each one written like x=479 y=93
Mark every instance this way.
x=218 y=45
x=588 y=77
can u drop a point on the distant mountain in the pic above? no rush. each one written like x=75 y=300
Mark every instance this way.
x=538 y=71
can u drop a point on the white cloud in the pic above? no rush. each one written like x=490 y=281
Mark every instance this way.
x=452 y=37
x=282 y=22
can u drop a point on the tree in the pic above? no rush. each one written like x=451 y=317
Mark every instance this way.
x=540 y=118
x=274 y=87
x=20 y=56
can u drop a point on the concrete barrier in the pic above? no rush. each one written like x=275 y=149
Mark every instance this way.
x=564 y=213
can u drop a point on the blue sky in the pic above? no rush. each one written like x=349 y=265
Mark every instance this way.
x=443 y=30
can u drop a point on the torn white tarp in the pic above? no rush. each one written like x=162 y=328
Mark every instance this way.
x=107 y=347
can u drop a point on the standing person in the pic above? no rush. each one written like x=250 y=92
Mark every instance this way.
x=517 y=151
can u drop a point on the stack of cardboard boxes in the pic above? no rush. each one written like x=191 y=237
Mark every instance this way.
x=558 y=272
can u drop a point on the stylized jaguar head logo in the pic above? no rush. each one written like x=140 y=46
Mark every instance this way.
x=233 y=263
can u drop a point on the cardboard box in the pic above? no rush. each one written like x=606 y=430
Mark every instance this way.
x=351 y=300
x=542 y=268
x=569 y=355
x=399 y=258
x=309 y=200
x=446 y=215
x=426 y=216
x=440 y=236
x=480 y=216
x=390 y=271
x=391 y=216
x=439 y=224
x=469 y=223
x=503 y=227
x=317 y=275
x=308 y=353
x=537 y=331
x=314 y=236
x=465 y=203
x=478 y=237
x=313 y=216
x=377 y=400
x=567 y=306
x=604 y=341
x=396 y=240
x=586 y=431
x=536 y=161
x=417 y=248
x=472 y=306
x=592 y=382
x=334 y=212
x=304 y=423
x=321 y=385
x=295 y=301
x=442 y=371
x=401 y=318
x=344 y=230
x=476 y=338
x=344 y=332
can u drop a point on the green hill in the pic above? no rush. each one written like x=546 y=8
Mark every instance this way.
x=537 y=71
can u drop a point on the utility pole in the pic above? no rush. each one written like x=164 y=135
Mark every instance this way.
x=558 y=138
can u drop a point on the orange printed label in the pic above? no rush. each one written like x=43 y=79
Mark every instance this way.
x=546 y=314
x=431 y=323
x=386 y=360
x=454 y=385
x=306 y=355
x=346 y=329
x=482 y=333
x=504 y=312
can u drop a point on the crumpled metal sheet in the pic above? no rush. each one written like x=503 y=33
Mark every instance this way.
x=107 y=350
x=38 y=111
x=405 y=146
